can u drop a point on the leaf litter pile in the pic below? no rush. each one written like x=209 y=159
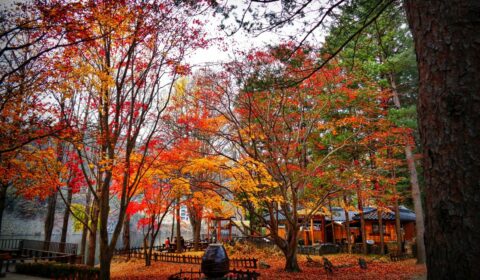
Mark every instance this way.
x=378 y=267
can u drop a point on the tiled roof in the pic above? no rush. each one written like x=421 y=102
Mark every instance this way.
x=406 y=215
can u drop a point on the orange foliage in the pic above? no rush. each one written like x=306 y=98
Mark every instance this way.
x=348 y=269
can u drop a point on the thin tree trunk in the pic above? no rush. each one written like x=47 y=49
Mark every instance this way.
x=50 y=220
x=92 y=234
x=331 y=219
x=380 y=225
x=362 y=221
x=173 y=226
x=85 y=228
x=66 y=216
x=416 y=194
x=347 y=225
x=177 y=209
x=126 y=233
x=398 y=227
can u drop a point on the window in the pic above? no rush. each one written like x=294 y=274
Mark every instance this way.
x=376 y=229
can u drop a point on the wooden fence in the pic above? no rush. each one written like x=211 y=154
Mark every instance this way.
x=188 y=259
x=232 y=275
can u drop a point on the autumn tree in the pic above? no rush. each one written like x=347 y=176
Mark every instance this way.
x=384 y=53
x=33 y=171
x=124 y=80
x=273 y=137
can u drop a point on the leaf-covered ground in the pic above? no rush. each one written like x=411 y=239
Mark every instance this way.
x=378 y=268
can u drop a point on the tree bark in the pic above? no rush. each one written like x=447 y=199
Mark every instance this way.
x=50 y=220
x=66 y=216
x=447 y=43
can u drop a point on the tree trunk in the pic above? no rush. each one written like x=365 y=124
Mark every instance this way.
x=92 y=234
x=85 y=228
x=331 y=220
x=417 y=205
x=362 y=221
x=380 y=226
x=398 y=226
x=3 y=200
x=66 y=216
x=416 y=194
x=447 y=43
x=126 y=233
x=50 y=220
x=178 y=243
x=105 y=262
x=173 y=226
x=196 y=223
x=347 y=226
x=289 y=249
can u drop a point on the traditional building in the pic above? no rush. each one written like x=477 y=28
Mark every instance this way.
x=372 y=228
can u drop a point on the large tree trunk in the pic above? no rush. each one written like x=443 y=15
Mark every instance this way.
x=289 y=249
x=50 y=220
x=3 y=200
x=447 y=43
x=66 y=216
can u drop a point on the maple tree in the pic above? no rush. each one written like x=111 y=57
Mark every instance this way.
x=272 y=131
x=122 y=82
x=192 y=121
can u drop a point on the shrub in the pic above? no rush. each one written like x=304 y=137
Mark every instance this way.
x=58 y=271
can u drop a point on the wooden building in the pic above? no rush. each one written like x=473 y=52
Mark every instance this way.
x=372 y=229
x=330 y=227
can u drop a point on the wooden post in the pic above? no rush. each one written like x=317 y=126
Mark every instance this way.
x=219 y=230
x=311 y=230
x=323 y=229
x=208 y=229
x=230 y=231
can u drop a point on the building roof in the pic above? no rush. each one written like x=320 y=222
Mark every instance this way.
x=406 y=215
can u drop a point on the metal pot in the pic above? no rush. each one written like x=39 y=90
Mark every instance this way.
x=215 y=262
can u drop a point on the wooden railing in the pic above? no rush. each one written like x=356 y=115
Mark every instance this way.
x=40 y=250
x=232 y=274
x=188 y=259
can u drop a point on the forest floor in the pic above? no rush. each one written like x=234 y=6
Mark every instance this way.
x=379 y=267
